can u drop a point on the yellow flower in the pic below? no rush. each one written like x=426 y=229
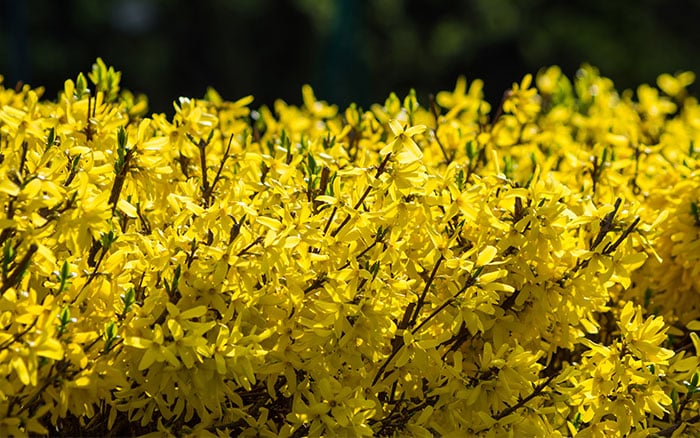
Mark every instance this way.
x=675 y=85
x=306 y=270
x=155 y=349
x=403 y=146
x=522 y=101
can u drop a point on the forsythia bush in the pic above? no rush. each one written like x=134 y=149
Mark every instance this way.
x=443 y=268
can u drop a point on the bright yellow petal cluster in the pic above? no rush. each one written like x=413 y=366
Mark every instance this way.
x=435 y=269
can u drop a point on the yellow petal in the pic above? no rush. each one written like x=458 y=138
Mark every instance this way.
x=147 y=360
x=51 y=349
x=82 y=381
x=269 y=222
x=136 y=342
x=415 y=130
x=21 y=368
x=411 y=152
x=634 y=260
x=396 y=127
x=499 y=287
x=694 y=325
x=627 y=314
x=169 y=356
x=194 y=312
x=155 y=144
x=696 y=342
x=220 y=364
x=492 y=276
x=589 y=326
x=175 y=329
x=8 y=187
x=486 y=255
x=327 y=199
x=387 y=149
x=291 y=242
x=125 y=207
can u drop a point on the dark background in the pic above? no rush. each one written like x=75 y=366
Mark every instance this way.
x=349 y=50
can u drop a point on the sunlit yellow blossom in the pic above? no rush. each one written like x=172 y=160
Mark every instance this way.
x=403 y=145
x=415 y=269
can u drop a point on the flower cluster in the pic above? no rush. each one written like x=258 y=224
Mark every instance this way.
x=442 y=269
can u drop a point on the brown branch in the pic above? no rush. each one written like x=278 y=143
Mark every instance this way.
x=499 y=111
x=436 y=116
x=210 y=189
x=247 y=248
x=538 y=391
x=21 y=268
x=609 y=249
x=398 y=342
x=421 y=299
x=669 y=430
x=606 y=225
x=380 y=170
x=119 y=179
x=16 y=337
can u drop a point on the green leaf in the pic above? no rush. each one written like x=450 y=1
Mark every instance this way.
x=64 y=316
x=111 y=330
x=64 y=319
x=577 y=421
x=121 y=137
x=106 y=79
x=65 y=276
x=470 y=150
x=311 y=164
x=648 y=293
x=74 y=163
x=172 y=287
x=121 y=150
x=107 y=239
x=128 y=299
x=604 y=157
x=411 y=104
x=8 y=256
x=328 y=141
x=508 y=166
x=674 y=400
x=80 y=87
x=110 y=335
x=330 y=191
x=374 y=269
x=460 y=179
x=51 y=138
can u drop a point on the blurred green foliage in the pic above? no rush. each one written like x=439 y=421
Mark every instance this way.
x=349 y=50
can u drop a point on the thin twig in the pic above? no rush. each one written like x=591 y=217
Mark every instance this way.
x=436 y=116
x=380 y=170
x=21 y=268
x=537 y=391
x=421 y=299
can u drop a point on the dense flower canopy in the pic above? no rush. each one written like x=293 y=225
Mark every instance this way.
x=437 y=268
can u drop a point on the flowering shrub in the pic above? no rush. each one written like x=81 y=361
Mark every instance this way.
x=411 y=269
